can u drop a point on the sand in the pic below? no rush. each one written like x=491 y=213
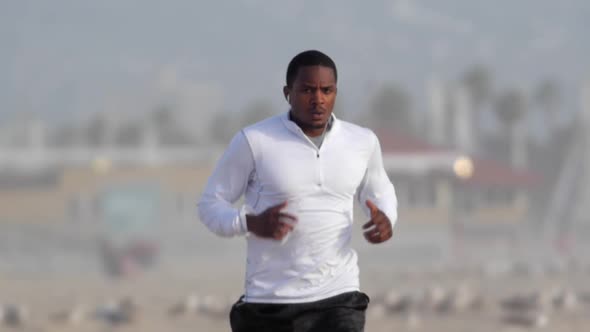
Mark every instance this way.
x=155 y=293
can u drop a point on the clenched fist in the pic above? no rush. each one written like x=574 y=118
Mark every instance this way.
x=272 y=223
x=378 y=229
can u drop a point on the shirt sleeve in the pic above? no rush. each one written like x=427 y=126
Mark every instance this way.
x=377 y=187
x=225 y=186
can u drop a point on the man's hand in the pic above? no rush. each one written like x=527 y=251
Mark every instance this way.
x=378 y=229
x=272 y=223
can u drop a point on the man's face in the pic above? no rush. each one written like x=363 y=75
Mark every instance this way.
x=312 y=97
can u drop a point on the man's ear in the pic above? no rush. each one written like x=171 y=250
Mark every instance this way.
x=286 y=92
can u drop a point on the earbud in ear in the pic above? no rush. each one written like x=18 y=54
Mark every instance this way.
x=288 y=98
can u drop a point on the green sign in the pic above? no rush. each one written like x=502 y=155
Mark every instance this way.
x=132 y=209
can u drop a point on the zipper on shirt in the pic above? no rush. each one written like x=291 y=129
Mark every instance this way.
x=320 y=181
x=319 y=169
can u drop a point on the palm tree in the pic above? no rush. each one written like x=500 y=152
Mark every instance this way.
x=163 y=119
x=477 y=80
x=97 y=130
x=65 y=135
x=547 y=96
x=390 y=107
x=255 y=111
x=220 y=132
x=510 y=107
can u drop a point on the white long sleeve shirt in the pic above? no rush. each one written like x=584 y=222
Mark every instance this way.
x=273 y=161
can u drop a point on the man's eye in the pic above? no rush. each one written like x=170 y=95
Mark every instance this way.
x=327 y=90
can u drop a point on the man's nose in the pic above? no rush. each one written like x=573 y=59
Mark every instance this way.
x=317 y=97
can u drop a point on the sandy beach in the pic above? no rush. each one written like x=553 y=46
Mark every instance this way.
x=154 y=295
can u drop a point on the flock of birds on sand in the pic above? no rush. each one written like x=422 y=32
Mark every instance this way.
x=526 y=310
x=116 y=312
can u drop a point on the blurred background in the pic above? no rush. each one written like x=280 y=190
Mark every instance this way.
x=113 y=114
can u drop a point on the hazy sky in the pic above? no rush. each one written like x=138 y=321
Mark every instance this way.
x=64 y=57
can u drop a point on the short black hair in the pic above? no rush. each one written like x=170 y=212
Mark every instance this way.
x=309 y=58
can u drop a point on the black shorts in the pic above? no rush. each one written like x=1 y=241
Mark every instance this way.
x=340 y=313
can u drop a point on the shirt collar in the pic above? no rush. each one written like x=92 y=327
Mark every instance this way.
x=333 y=123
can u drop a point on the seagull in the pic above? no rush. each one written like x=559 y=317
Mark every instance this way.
x=189 y=305
x=460 y=299
x=14 y=315
x=69 y=316
x=376 y=310
x=398 y=303
x=526 y=319
x=119 y=312
x=522 y=302
x=584 y=297
x=214 y=306
x=433 y=297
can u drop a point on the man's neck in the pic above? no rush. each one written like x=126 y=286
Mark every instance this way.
x=311 y=131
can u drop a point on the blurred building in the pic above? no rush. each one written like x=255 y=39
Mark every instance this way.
x=130 y=181
x=442 y=186
x=75 y=175
x=454 y=206
x=73 y=183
